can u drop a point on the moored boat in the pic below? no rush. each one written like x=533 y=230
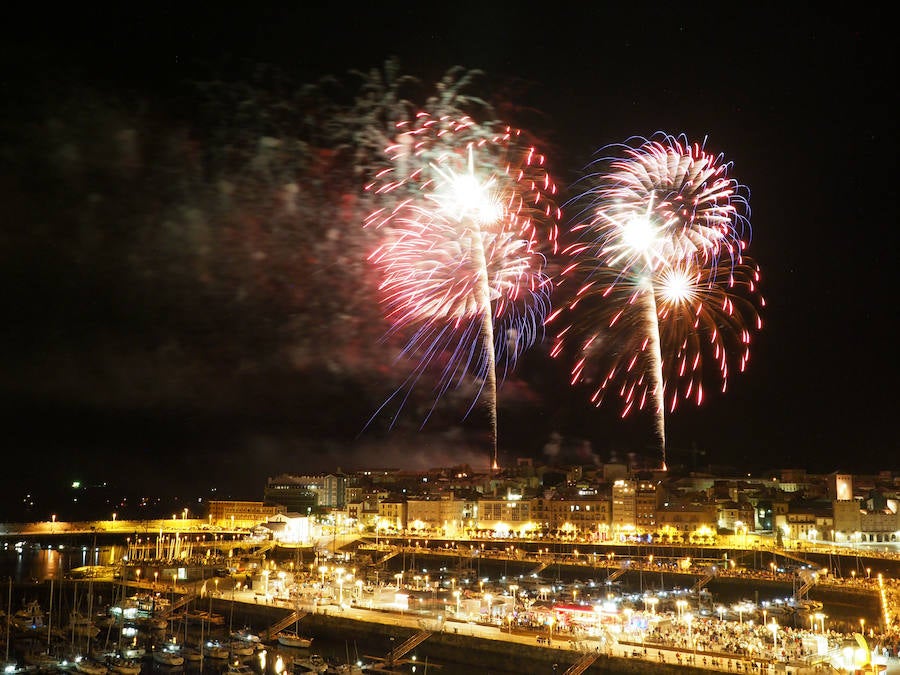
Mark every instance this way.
x=123 y=666
x=42 y=661
x=168 y=655
x=241 y=648
x=292 y=639
x=89 y=666
x=314 y=664
x=28 y=618
x=213 y=649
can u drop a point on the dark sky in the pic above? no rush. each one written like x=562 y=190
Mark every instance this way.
x=99 y=377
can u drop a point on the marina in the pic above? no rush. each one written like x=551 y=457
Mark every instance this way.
x=637 y=605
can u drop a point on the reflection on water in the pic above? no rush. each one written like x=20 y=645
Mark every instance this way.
x=28 y=563
x=30 y=568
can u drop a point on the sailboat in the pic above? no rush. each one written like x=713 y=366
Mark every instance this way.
x=241 y=645
x=294 y=639
x=29 y=618
x=43 y=659
x=81 y=627
x=169 y=654
x=9 y=665
x=121 y=660
x=192 y=653
x=288 y=638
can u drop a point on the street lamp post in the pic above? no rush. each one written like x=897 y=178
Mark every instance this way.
x=821 y=619
x=689 y=620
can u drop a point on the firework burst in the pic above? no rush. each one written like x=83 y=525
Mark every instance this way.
x=664 y=285
x=462 y=252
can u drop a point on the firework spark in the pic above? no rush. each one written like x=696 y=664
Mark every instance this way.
x=462 y=252
x=664 y=283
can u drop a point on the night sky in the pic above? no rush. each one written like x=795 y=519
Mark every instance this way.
x=143 y=348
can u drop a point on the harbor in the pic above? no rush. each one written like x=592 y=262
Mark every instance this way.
x=359 y=604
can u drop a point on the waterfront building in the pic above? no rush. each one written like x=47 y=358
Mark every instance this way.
x=687 y=519
x=332 y=491
x=577 y=515
x=646 y=500
x=504 y=514
x=735 y=516
x=234 y=514
x=294 y=493
x=624 y=505
x=854 y=521
x=798 y=524
x=392 y=515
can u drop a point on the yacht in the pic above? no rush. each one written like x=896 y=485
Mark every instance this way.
x=288 y=638
x=168 y=655
x=88 y=666
x=28 y=618
x=213 y=649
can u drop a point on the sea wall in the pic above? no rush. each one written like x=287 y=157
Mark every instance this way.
x=451 y=647
x=454 y=647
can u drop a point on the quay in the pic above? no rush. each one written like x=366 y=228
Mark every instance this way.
x=191 y=571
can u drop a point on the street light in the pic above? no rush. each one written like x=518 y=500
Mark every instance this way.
x=862 y=626
x=821 y=619
x=774 y=628
x=489 y=598
x=456 y=595
x=689 y=619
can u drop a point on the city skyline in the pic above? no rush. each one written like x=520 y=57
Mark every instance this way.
x=128 y=352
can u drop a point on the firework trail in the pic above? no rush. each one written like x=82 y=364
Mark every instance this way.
x=663 y=282
x=462 y=251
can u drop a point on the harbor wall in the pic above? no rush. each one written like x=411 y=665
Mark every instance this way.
x=447 y=646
